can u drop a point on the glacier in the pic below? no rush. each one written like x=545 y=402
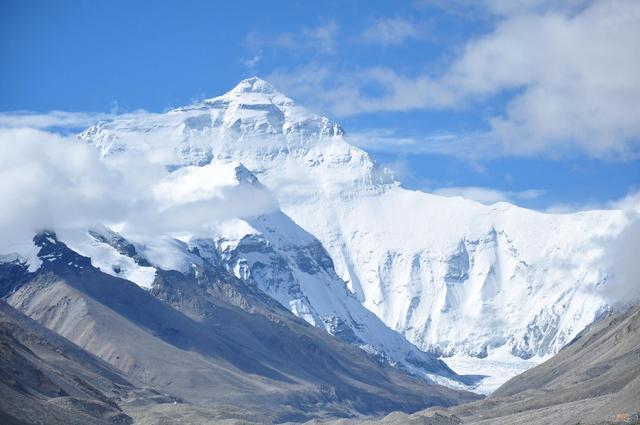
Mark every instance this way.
x=348 y=248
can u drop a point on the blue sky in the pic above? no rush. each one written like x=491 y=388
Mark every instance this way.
x=534 y=101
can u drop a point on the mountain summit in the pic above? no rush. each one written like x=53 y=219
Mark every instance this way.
x=254 y=85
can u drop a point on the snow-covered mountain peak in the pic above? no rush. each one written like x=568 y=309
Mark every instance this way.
x=256 y=101
x=254 y=85
x=252 y=94
x=253 y=118
x=452 y=275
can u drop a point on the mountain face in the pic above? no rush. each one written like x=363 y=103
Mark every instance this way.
x=207 y=338
x=451 y=275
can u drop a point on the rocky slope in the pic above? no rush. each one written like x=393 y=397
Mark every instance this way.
x=209 y=339
x=46 y=379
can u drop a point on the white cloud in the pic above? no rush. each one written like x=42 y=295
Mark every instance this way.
x=621 y=255
x=193 y=199
x=619 y=251
x=514 y=7
x=252 y=61
x=385 y=140
x=323 y=36
x=57 y=182
x=51 y=181
x=390 y=31
x=344 y=93
x=572 y=78
x=578 y=76
x=630 y=204
x=475 y=9
x=319 y=39
x=487 y=195
x=472 y=146
x=60 y=119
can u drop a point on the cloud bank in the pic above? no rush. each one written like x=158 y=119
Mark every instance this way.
x=55 y=182
x=50 y=181
x=569 y=74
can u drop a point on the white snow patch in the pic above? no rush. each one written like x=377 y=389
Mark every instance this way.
x=107 y=258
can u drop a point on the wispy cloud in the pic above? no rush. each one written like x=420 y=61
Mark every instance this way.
x=475 y=9
x=61 y=119
x=487 y=195
x=629 y=203
x=347 y=92
x=319 y=39
x=470 y=146
x=390 y=31
x=252 y=62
